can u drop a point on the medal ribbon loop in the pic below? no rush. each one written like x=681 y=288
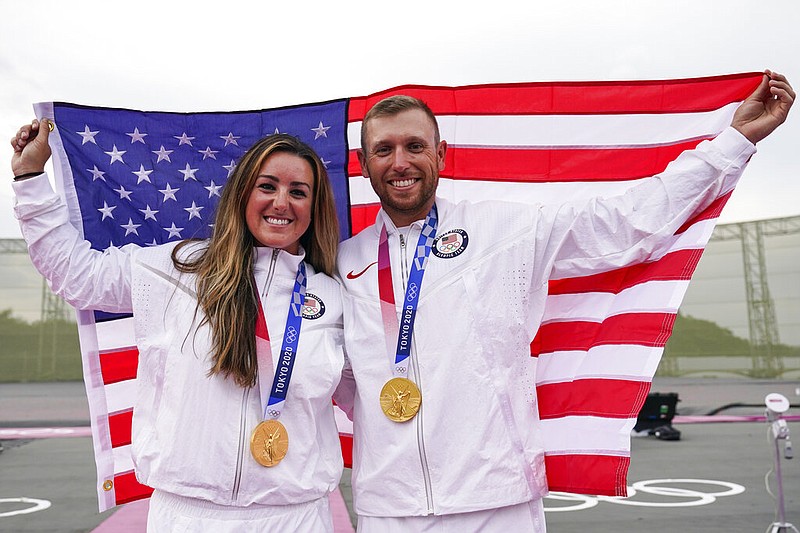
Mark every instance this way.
x=273 y=404
x=403 y=328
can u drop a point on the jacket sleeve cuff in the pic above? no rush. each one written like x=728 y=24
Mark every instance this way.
x=734 y=147
x=32 y=196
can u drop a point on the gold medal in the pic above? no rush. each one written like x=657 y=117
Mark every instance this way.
x=400 y=399
x=269 y=443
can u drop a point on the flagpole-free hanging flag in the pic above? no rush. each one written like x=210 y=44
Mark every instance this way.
x=146 y=178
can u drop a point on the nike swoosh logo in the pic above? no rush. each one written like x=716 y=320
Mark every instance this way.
x=351 y=275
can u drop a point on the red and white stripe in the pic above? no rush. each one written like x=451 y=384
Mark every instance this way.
x=602 y=335
x=110 y=361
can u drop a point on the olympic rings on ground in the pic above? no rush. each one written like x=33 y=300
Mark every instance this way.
x=38 y=505
x=587 y=502
x=695 y=497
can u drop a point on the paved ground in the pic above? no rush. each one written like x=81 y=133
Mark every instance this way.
x=731 y=455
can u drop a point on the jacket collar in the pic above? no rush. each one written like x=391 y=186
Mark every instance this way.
x=262 y=257
x=383 y=218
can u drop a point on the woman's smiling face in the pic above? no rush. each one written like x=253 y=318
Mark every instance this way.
x=278 y=211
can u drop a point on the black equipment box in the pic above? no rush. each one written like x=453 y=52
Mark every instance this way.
x=658 y=410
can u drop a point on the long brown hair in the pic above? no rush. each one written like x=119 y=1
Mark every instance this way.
x=225 y=287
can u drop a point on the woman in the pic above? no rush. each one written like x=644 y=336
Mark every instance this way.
x=220 y=384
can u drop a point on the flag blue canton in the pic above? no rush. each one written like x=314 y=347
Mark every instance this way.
x=153 y=177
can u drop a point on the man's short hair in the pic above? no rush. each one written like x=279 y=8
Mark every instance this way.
x=394 y=105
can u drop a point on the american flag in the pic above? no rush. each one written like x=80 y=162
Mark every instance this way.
x=152 y=177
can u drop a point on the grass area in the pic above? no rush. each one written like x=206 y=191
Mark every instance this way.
x=696 y=337
x=38 y=351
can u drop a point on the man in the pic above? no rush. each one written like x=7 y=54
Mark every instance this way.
x=443 y=397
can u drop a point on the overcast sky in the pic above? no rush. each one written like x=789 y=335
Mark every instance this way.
x=214 y=56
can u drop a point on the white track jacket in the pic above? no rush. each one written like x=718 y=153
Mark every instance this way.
x=474 y=444
x=191 y=432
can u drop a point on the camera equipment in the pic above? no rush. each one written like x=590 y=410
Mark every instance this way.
x=655 y=417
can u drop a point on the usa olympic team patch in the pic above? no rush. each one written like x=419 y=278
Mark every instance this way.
x=313 y=307
x=450 y=244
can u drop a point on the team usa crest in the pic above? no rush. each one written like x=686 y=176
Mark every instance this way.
x=313 y=307
x=450 y=244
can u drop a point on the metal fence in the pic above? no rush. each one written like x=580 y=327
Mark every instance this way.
x=38 y=334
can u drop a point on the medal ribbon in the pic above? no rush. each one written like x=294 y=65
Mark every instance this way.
x=403 y=328
x=273 y=404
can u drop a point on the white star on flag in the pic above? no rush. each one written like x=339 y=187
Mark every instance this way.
x=142 y=175
x=320 y=131
x=97 y=174
x=116 y=155
x=107 y=210
x=230 y=168
x=88 y=135
x=149 y=213
x=163 y=154
x=184 y=139
x=136 y=136
x=173 y=231
x=188 y=173
x=169 y=192
x=208 y=152
x=213 y=189
x=123 y=193
x=230 y=139
x=194 y=211
x=130 y=227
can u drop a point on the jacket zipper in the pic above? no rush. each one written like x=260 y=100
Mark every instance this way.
x=270 y=273
x=426 y=475
x=237 y=481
